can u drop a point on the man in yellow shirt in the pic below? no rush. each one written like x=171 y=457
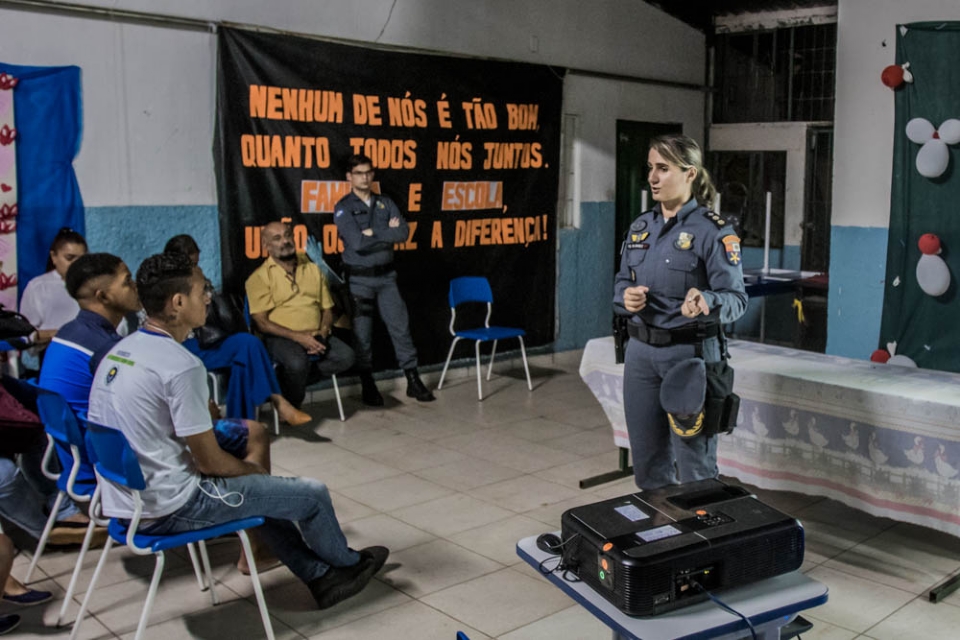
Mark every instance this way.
x=291 y=305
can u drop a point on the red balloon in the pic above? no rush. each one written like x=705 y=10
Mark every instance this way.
x=880 y=355
x=929 y=244
x=892 y=76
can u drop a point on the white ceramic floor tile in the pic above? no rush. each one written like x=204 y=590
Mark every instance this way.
x=348 y=510
x=538 y=429
x=237 y=619
x=468 y=474
x=854 y=603
x=498 y=541
x=430 y=567
x=422 y=455
x=591 y=442
x=295 y=607
x=572 y=622
x=451 y=514
x=513 y=600
x=509 y=451
x=823 y=630
x=919 y=619
x=412 y=621
x=395 y=492
x=572 y=473
x=348 y=471
x=386 y=531
x=523 y=494
x=905 y=556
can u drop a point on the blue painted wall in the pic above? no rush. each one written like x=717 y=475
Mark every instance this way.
x=858 y=260
x=133 y=233
x=585 y=277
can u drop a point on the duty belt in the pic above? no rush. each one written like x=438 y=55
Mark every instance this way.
x=376 y=270
x=662 y=337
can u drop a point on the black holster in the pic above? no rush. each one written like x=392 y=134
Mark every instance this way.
x=620 y=337
x=721 y=406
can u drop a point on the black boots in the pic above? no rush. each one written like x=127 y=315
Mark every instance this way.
x=370 y=394
x=416 y=388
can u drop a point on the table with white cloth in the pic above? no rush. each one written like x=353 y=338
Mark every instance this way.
x=881 y=438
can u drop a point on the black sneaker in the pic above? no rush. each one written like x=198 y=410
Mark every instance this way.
x=340 y=583
x=9 y=623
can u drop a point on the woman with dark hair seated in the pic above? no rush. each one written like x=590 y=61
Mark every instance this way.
x=45 y=302
x=251 y=380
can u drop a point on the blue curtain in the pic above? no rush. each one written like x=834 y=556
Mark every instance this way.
x=49 y=119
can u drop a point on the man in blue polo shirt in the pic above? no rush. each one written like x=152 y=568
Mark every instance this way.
x=103 y=287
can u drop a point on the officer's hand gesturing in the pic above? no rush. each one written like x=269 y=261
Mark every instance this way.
x=694 y=304
x=635 y=298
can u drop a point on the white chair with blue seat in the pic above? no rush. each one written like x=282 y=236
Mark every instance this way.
x=477 y=290
x=115 y=461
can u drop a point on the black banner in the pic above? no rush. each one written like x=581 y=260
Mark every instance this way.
x=468 y=149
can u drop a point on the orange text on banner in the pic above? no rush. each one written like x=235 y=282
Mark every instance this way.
x=304 y=105
x=492 y=231
x=319 y=196
x=284 y=151
x=470 y=196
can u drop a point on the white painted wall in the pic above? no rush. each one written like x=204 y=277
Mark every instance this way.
x=863 y=142
x=779 y=136
x=148 y=92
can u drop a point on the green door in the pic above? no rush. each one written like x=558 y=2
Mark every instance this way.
x=633 y=142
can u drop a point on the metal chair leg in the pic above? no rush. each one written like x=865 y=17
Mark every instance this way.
x=151 y=595
x=493 y=354
x=479 y=387
x=45 y=535
x=93 y=583
x=336 y=392
x=447 y=363
x=257 y=589
x=195 y=561
x=208 y=573
x=76 y=572
x=526 y=367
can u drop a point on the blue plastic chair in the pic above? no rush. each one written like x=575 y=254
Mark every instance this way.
x=477 y=290
x=333 y=378
x=62 y=428
x=116 y=462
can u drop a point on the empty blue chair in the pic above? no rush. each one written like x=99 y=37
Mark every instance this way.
x=116 y=462
x=473 y=289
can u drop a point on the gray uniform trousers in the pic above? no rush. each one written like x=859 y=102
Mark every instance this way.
x=660 y=457
x=393 y=311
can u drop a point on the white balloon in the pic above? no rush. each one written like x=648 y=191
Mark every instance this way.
x=950 y=131
x=933 y=275
x=920 y=130
x=902 y=361
x=933 y=158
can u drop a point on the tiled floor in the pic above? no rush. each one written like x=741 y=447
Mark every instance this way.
x=450 y=487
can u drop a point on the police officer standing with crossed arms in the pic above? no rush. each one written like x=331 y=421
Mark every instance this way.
x=680 y=278
x=369 y=224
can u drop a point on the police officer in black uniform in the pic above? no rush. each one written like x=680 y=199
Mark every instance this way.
x=369 y=224
x=680 y=279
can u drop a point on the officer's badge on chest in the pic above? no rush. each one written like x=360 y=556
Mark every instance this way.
x=684 y=241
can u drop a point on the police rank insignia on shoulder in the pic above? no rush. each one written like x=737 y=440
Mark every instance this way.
x=732 y=246
x=684 y=241
x=715 y=218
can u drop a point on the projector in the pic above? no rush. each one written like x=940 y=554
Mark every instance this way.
x=657 y=551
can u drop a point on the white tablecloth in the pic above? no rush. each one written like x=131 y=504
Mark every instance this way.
x=881 y=438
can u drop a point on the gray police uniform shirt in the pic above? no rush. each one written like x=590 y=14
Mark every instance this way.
x=352 y=216
x=697 y=248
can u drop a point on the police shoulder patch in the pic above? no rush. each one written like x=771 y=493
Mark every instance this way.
x=731 y=245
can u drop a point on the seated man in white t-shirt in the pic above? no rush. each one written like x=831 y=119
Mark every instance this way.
x=154 y=391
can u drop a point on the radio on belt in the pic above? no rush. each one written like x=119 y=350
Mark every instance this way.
x=656 y=551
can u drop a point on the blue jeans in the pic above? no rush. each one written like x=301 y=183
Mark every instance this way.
x=25 y=490
x=301 y=528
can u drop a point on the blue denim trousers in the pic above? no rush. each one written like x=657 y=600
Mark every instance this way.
x=25 y=491
x=301 y=527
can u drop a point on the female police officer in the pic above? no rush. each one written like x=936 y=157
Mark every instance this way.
x=680 y=278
